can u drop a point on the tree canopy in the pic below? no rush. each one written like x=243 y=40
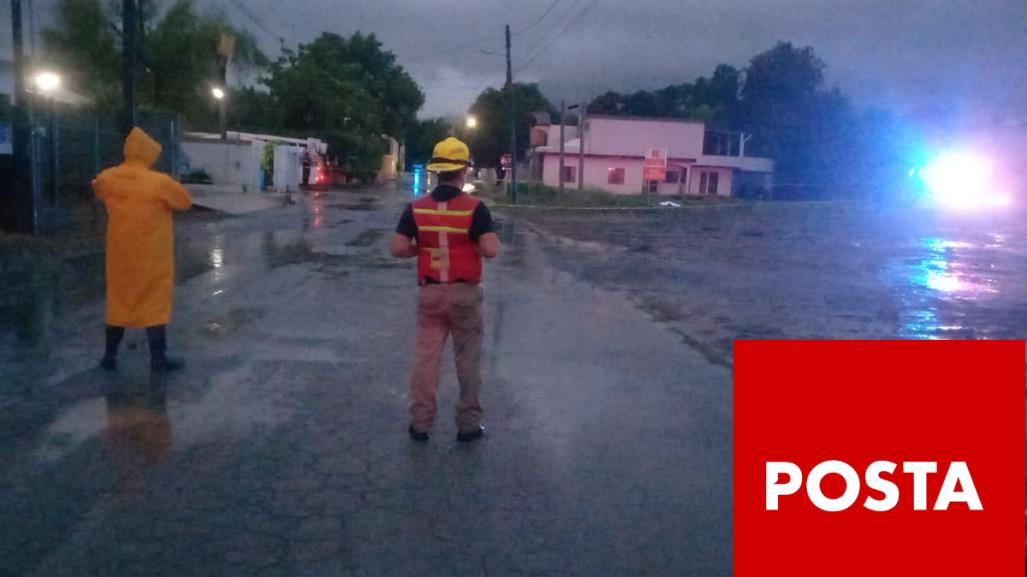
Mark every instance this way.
x=178 y=47
x=347 y=91
x=423 y=136
x=491 y=139
x=820 y=142
x=712 y=100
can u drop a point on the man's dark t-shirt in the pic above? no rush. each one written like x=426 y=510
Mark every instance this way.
x=481 y=221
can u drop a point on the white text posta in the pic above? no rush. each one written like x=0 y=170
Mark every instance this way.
x=784 y=479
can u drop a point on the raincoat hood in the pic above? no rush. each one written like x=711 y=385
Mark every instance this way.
x=140 y=148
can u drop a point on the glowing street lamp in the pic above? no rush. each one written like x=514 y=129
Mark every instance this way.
x=219 y=95
x=47 y=82
x=472 y=122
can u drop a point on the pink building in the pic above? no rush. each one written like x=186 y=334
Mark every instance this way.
x=699 y=162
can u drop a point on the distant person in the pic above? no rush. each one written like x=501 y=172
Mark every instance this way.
x=140 y=248
x=307 y=161
x=449 y=232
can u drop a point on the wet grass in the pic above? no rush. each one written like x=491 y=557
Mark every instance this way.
x=537 y=195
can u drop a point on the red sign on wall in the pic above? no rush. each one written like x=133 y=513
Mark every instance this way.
x=861 y=458
x=655 y=165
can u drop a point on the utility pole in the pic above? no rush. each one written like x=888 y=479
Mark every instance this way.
x=513 y=120
x=581 y=146
x=129 y=16
x=226 y=49
x=21 y=212
x=563 y=113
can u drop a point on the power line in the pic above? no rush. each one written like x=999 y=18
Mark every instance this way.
x=539 y=19
x=448 y=50
x=545 y=46
x=481 y=39
x=256 y=19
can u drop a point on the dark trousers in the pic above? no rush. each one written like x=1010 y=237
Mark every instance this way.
x=156 y=336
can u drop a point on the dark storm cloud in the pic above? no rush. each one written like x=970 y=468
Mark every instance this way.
x=904 y=54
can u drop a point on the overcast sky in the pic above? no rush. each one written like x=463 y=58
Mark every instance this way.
x=908 y=55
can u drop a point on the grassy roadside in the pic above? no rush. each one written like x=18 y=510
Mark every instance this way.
x=535 y=194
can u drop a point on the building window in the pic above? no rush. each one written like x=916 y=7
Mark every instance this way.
x=615 y=176
x=708 y=182
x=673 y=177
x=570 y=174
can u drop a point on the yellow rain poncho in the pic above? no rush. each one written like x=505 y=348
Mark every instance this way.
x=140 y=244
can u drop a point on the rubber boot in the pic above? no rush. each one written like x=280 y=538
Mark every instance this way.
x=160 y=361
x=110 y=356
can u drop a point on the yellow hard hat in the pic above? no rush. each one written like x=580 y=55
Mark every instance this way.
x=450 y=155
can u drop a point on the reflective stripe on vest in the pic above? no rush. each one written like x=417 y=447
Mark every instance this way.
x=446 y=253
x=439 y=212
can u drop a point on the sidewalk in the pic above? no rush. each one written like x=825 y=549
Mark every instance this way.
x=281 y=449
x=233 y=200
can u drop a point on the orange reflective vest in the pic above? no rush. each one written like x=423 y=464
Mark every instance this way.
x=445 y=251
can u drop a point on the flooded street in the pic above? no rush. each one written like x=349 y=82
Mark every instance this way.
x=281 y=448
x=804 y=271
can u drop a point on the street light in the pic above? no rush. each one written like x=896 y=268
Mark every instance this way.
x=47 y=82
x=219 y=95
x=472 y=122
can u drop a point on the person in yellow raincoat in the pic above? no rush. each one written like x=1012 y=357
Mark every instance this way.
x=140 y=248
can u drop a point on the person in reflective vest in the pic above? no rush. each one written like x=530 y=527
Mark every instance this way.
x=449 y=232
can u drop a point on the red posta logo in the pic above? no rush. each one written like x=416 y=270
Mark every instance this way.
x=879 y=458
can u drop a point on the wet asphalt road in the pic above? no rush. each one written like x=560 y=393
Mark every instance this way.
x=281 y=449
x=804 y=270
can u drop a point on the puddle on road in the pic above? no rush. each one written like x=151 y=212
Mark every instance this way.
x=366 y=204
x=938 y=285
x=226 y=324
x=38 y=286
x=367 y=238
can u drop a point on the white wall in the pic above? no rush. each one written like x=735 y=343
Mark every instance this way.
x=228 y=163
x=723 y=185
x=634 y=137
x=288 y=168
x=553 y=135
x=596 y=173
x=597 y=176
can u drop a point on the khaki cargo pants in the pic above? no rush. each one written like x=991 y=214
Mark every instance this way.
x=443 y=309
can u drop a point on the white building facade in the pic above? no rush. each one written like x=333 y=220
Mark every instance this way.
x=698 y=162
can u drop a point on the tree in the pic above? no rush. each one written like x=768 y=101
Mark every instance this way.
x=347 y=91
x=611 y=104
x=668 y=102
x=251 y=109
x=422 y=137
x=180 y=54
x=715 y=100
x=790 y=116
x=491 y=139
x=179 y=62
x=84 y=46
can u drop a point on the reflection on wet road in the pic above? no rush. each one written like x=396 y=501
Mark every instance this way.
x=281 y=448
x=805 y=270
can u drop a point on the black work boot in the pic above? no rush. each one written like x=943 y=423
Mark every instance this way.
x=160 y=361
x=110 y=356
x=419 y=436
x=471 y=435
